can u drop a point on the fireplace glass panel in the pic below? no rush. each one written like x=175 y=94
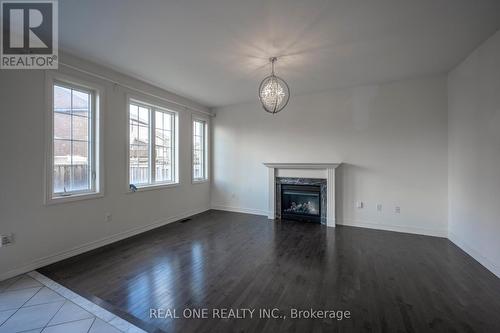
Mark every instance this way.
x=301 y=201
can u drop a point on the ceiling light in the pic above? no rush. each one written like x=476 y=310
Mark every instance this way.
x=274 y=92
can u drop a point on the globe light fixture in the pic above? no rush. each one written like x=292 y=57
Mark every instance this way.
x=274 y=92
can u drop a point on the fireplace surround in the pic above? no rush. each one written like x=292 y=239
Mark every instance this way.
x=315 y=171
x=301 y=199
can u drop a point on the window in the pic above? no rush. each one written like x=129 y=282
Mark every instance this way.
x=200 y=172
x=74 y=149
x=152 y=145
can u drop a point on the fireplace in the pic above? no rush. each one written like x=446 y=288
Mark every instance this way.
x=301 y=199
x=322 y=174
x=301 y=202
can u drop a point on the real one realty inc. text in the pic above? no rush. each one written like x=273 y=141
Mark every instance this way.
x=247 y=313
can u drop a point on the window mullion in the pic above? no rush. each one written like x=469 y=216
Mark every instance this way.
x=92 y=143
x=71 y=169
x=193 y=139
x=173 y=144
x=152 y=140
x=202 y=142
x=203 y=151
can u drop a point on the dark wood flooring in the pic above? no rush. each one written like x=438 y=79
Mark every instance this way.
x=390 y=282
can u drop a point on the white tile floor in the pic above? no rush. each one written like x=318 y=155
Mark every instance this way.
x=34 y=303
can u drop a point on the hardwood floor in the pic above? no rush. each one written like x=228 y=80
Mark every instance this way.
x=390 y=282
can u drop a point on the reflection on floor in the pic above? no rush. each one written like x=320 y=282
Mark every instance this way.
x=33 y=303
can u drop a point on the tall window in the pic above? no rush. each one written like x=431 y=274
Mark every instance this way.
x=152 y=145
x=73 y=141
x=199 y=150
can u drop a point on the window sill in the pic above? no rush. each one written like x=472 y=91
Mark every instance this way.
x=73 y=198
x=152 y=187
x=200 y=181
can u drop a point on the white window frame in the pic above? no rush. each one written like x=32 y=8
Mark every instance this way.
x=96 y=153
x=206 y=139
x=153 y=106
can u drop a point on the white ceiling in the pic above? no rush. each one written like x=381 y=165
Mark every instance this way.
x=216 y=51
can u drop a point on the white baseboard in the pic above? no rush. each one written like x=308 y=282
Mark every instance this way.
x=488 y=264
x=397 y=228
x=240 y=210
x=346 y=222
x=495 y=269
x=94 y=245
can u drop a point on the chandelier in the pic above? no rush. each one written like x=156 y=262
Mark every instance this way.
x=274 y=92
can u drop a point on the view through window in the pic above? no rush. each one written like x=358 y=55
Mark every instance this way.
x=151 y=145
x=72 y=141
x=199 y=150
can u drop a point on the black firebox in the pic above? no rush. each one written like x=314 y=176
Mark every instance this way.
x=301 y=202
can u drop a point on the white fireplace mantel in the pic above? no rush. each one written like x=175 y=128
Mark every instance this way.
x=302 y=165
x=303 y=170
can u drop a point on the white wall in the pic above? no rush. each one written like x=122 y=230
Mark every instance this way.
x=392 y=138
x=474 y=154
x=45 y=234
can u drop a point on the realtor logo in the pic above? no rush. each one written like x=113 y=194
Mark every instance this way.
x=29 y=35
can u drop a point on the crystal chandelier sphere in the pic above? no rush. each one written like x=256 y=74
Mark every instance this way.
x=274 y=94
